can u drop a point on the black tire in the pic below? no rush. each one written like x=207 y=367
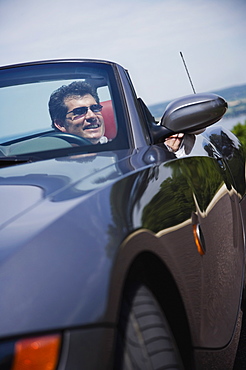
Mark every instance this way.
x=144 y=340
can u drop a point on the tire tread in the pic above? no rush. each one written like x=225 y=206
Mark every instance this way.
x=145 y=340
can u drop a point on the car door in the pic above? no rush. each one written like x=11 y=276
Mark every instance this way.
x=193 y=208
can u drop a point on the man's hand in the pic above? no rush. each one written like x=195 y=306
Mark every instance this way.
x=174 y=141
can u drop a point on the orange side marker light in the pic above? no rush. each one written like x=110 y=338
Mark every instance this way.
x=199 y=240
x=40 y=353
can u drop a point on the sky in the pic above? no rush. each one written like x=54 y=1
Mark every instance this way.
x=144 y=36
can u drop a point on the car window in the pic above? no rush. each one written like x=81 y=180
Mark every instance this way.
x=26 y=124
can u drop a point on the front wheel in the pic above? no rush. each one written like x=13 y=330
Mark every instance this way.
x=144 y=340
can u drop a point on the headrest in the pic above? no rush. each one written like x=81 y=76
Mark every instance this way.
x=109 y=120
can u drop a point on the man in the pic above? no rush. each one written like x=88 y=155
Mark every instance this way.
x=75 y=109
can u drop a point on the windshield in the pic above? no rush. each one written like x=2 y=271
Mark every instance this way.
x=59 y=107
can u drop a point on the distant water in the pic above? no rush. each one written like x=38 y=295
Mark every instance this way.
x=230 y=122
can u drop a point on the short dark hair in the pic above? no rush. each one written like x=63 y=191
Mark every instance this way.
x=57 y=107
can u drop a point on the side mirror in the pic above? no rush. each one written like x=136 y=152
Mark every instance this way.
x=189 y=114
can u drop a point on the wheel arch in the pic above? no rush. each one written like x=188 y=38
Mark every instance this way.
x=147 y=268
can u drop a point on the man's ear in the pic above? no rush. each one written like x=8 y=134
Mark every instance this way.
x=60 y=125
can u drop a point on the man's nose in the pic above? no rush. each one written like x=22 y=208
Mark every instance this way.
x=90 y=113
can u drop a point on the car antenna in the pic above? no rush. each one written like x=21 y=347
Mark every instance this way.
x=194 y=91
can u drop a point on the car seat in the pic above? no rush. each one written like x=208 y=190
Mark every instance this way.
x=109 y=119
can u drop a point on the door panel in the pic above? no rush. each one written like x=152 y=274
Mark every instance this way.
x=197 y=190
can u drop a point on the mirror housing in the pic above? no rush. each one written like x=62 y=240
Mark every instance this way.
x=189 y=114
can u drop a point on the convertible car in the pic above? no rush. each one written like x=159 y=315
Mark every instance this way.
x=121 y=253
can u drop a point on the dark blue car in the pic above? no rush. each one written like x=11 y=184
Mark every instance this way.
x=121 y=237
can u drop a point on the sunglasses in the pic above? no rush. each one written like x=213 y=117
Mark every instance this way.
x=82 y=111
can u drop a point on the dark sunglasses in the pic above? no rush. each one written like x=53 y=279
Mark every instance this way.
x=82 y=111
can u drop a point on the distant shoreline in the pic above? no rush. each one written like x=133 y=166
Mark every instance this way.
x=230 y=121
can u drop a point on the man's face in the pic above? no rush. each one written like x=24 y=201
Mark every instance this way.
x=89 y=125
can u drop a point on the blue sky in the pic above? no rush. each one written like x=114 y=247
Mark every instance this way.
x=145 y=36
